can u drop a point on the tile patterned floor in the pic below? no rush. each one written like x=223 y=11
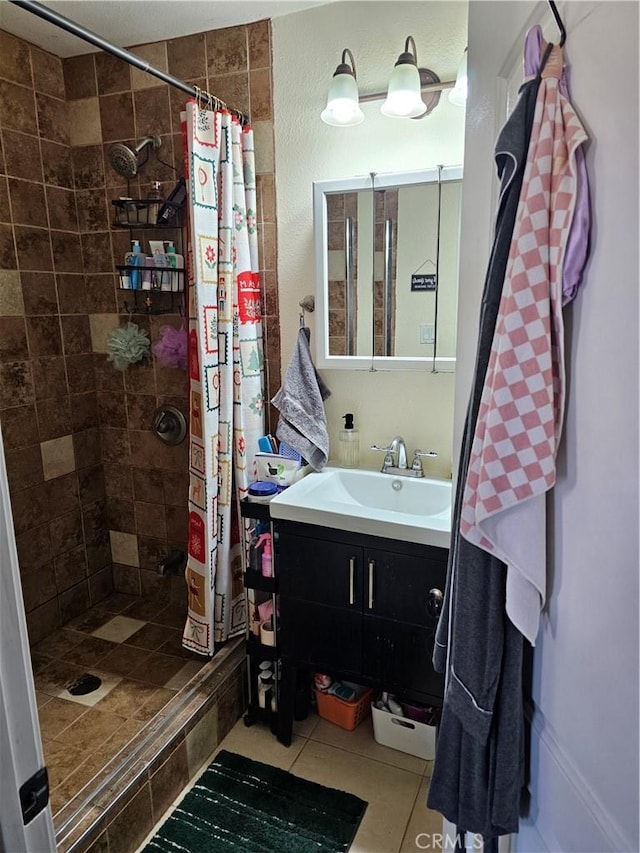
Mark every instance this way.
x=393 y=783
x=134 y=646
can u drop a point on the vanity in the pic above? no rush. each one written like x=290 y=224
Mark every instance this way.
x=356 y=604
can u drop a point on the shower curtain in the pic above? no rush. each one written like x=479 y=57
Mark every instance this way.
x=225 y=367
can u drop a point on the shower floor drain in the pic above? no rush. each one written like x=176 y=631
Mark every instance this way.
x=87 y=683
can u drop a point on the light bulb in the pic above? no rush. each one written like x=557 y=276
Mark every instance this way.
x=343 y=109
x=458 y=95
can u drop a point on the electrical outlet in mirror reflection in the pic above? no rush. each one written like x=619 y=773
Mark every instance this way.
x=427 y=333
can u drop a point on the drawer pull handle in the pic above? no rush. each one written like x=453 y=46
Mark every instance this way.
x=434 y=603
x=371 y=568
x=352 y=563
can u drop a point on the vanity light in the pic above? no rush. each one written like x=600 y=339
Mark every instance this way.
x=404 y=99
x=343 y=109
x=458 y=95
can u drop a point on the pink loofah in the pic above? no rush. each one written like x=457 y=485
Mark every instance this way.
x=171 y=347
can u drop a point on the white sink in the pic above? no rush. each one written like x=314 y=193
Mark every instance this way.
x=404 y=508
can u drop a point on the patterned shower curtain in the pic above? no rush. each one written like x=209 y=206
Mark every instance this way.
x=225 y=367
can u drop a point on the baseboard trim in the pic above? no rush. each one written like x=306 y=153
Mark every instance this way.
x=550 y=762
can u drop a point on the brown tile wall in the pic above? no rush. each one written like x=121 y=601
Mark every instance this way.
x=48 y=401
x=340 y=206
x=108 y=101
x=86 y=472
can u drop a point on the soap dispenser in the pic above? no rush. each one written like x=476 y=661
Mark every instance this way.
x=349 y=446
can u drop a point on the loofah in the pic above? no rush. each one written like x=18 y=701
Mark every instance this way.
x=127 y=345
x=171 y=347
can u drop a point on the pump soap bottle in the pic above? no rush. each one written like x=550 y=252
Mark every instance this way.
x=349 y=446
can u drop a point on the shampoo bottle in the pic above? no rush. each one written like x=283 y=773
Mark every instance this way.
x=134 y=258
x=349 y=445
x=161 y=262
x=176 y=261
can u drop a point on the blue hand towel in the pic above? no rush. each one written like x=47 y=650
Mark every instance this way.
x=300 y=401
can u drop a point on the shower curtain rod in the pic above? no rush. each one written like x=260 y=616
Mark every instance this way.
x=76 y=30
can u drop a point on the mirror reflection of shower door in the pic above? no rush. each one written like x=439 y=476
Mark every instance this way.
x=350 y=284
x=385 y=237
x=388 y=288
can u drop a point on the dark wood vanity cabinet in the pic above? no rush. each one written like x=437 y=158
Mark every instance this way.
x=360 y=607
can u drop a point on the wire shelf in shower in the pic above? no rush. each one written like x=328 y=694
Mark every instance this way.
x=146 y=213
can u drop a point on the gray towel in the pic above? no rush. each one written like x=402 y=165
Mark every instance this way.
x=302 y=423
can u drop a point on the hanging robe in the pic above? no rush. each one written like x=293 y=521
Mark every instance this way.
x=466 y=757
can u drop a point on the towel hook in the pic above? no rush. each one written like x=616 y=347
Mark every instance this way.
x=308 y=303
x=558 y=20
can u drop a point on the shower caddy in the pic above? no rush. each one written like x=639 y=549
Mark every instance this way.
x=139 y=217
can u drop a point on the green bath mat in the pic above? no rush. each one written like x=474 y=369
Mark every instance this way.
x=244 y=806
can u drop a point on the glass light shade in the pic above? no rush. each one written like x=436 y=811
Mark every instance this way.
x=404 y=99
x=458 y=95
x=343 y=109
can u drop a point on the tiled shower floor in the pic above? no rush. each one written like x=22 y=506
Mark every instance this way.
x=134 y=646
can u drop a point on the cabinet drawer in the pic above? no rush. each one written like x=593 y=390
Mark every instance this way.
x=327 y=573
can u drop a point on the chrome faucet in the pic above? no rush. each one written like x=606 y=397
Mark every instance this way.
x=395 y=459
x=395 y=456
x=398 y=447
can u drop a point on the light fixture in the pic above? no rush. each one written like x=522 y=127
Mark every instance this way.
x=458 y=95
x=404 y=98
x=343 y=109
x=413 y=92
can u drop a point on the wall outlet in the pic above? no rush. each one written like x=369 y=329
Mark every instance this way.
x=427 y=333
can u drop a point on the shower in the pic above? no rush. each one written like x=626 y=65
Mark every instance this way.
x=125 y=159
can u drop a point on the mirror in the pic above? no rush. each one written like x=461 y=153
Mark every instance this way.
x=387 y=269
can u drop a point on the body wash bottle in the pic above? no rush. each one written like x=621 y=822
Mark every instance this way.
x=176 y=261
x=349 y=446
x=161 y=262
x=134 y=258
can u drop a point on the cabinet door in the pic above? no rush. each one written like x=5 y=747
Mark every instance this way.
x=398 y=586
x=319 y=571
x=398 y=657
x=322 y=637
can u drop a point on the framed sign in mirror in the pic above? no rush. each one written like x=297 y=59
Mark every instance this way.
x=387 y=250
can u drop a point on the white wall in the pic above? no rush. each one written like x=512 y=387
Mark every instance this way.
x=307 y=46
x=584 y=781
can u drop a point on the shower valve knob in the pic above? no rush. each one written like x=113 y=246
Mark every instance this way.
x=169 y=425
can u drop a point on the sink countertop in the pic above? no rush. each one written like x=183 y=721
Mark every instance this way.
x=363 y=501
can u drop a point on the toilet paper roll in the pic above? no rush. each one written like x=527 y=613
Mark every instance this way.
x=267 y=634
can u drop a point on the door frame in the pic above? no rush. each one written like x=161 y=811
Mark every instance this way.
x=20 y=742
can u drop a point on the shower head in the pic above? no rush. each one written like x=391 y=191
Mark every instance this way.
x=125 y=159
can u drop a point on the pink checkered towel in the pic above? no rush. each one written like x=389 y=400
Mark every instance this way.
x=513 y=455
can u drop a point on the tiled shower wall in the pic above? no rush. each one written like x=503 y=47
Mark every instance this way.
x=101 y=100
x=47 y=390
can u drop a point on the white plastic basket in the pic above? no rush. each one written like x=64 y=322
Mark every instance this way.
x=417 y=739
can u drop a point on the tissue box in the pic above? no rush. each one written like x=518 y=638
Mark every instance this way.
x=277 y=469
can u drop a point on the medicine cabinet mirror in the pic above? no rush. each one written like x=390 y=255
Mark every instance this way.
x=387 y=249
